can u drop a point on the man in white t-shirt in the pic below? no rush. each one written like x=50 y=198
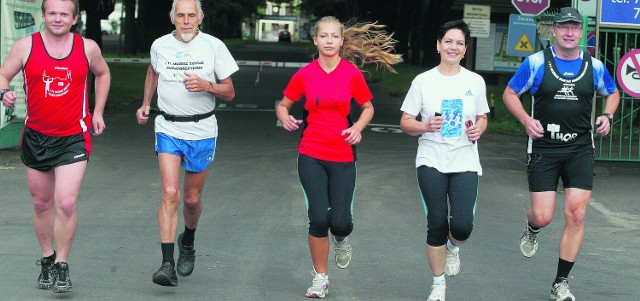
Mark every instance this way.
x=190 y=70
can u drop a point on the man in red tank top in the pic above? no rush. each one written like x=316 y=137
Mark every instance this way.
x=56 y=144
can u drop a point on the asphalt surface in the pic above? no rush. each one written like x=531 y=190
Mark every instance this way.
x=251 y=239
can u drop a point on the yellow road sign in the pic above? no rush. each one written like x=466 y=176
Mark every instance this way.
x=524 y=44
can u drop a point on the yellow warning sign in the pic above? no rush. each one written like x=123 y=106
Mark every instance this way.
x=524 y=44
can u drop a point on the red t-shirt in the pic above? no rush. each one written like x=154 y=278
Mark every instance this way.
x=328 y=106
x=56 y=89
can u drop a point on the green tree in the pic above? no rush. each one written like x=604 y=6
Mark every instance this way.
x=153 y=22
x=223 y=18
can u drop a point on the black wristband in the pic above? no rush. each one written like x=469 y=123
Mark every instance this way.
x=610 y=116
x=2 y=91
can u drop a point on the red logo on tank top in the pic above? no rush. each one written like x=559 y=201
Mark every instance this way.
x=57 y=81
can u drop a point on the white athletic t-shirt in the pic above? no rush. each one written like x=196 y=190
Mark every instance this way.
x=458 y=98
x=205 y=56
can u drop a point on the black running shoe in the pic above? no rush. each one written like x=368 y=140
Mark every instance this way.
x=63 y=281
x=166 y=275
x=186 y=258
x=47 y=277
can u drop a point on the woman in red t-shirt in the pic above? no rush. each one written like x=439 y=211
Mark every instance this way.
x=326 y=153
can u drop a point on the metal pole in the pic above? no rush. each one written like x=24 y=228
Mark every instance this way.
x=598 y=9
x=121 y=25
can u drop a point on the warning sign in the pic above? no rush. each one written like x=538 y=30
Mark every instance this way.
x=524 y=44
x=627 y=73
x=521 y=40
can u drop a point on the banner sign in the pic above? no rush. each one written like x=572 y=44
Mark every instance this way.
x=18 y=19
x=620 y=13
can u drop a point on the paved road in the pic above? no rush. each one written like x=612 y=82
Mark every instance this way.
x=251 y=240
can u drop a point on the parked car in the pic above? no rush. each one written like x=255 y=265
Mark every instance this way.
x=284 y=36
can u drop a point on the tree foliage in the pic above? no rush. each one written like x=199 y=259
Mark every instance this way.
x=224 y=17
x=411 y=21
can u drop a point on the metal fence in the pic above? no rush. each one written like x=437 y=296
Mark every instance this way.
x=623 y=142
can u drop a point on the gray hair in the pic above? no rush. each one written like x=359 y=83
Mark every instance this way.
x=172 y=13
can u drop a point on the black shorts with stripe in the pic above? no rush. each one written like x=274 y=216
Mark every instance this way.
x=42 y=152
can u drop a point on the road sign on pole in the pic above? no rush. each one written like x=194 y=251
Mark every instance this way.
x=531 y=7
x=627 y=72
x=521 y=40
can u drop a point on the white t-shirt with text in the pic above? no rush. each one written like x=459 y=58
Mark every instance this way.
x=458 y=98
x=205 y=56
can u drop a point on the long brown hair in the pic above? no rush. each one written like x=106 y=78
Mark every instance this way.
x=366 y=43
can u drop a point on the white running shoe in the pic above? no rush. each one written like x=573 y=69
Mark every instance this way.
x=342 y=253
x=319 y=287
x=560 y=292
x=452 y=265
x=438 y=292
x=528 y=242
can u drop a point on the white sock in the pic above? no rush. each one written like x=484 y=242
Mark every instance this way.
x=451 y=247
x=439 y=279
x=323 y=275
x=340 y=243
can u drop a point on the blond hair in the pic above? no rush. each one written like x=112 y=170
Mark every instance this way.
x=365 y=43
x=75 y=10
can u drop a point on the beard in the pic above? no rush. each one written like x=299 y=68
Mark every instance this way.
x=187 y=37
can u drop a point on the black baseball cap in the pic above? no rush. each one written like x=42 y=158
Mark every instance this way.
x=567 y=14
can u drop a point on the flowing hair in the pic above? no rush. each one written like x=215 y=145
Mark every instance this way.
x=366 y=43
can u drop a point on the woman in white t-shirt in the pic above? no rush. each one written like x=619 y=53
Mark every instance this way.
x=452 y=105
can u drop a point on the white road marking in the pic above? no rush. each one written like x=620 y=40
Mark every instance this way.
x=620 y=219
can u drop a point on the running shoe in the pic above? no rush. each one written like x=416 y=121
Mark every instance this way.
x=342 y=253
x=166 y=275
x=186 y=258
x=529 y=242
x=47 y=276
x=438 y=292
x=63 y=281
x=319 y=287
x=560 y=291
x=452 y=265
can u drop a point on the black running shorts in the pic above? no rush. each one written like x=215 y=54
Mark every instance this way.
x=575 y=169
x=42 y=152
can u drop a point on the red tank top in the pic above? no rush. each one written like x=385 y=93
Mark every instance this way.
x=56 y=89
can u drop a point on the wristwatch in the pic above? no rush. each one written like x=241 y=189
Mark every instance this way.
x=610 y=116
x=2 y=91
x=210 y=89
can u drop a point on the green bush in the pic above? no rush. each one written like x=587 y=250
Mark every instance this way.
x=127 y=84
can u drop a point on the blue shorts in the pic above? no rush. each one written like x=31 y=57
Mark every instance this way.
x=196 y=155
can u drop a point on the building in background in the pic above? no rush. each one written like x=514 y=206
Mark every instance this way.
x=277 y=19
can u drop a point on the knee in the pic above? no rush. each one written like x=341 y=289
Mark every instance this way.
x=541 y=218
x=67 y=206
x=461 y=231
x=171 y=194
x=437 y=233
x=41 y=205
x=342 y=228
x=575 y=214
x=319 y=225
x=192 y=203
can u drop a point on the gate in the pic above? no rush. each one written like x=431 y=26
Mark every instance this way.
x=623 y=141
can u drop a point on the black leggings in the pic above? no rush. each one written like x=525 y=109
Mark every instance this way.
x=462 y=192
x=328 y=188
